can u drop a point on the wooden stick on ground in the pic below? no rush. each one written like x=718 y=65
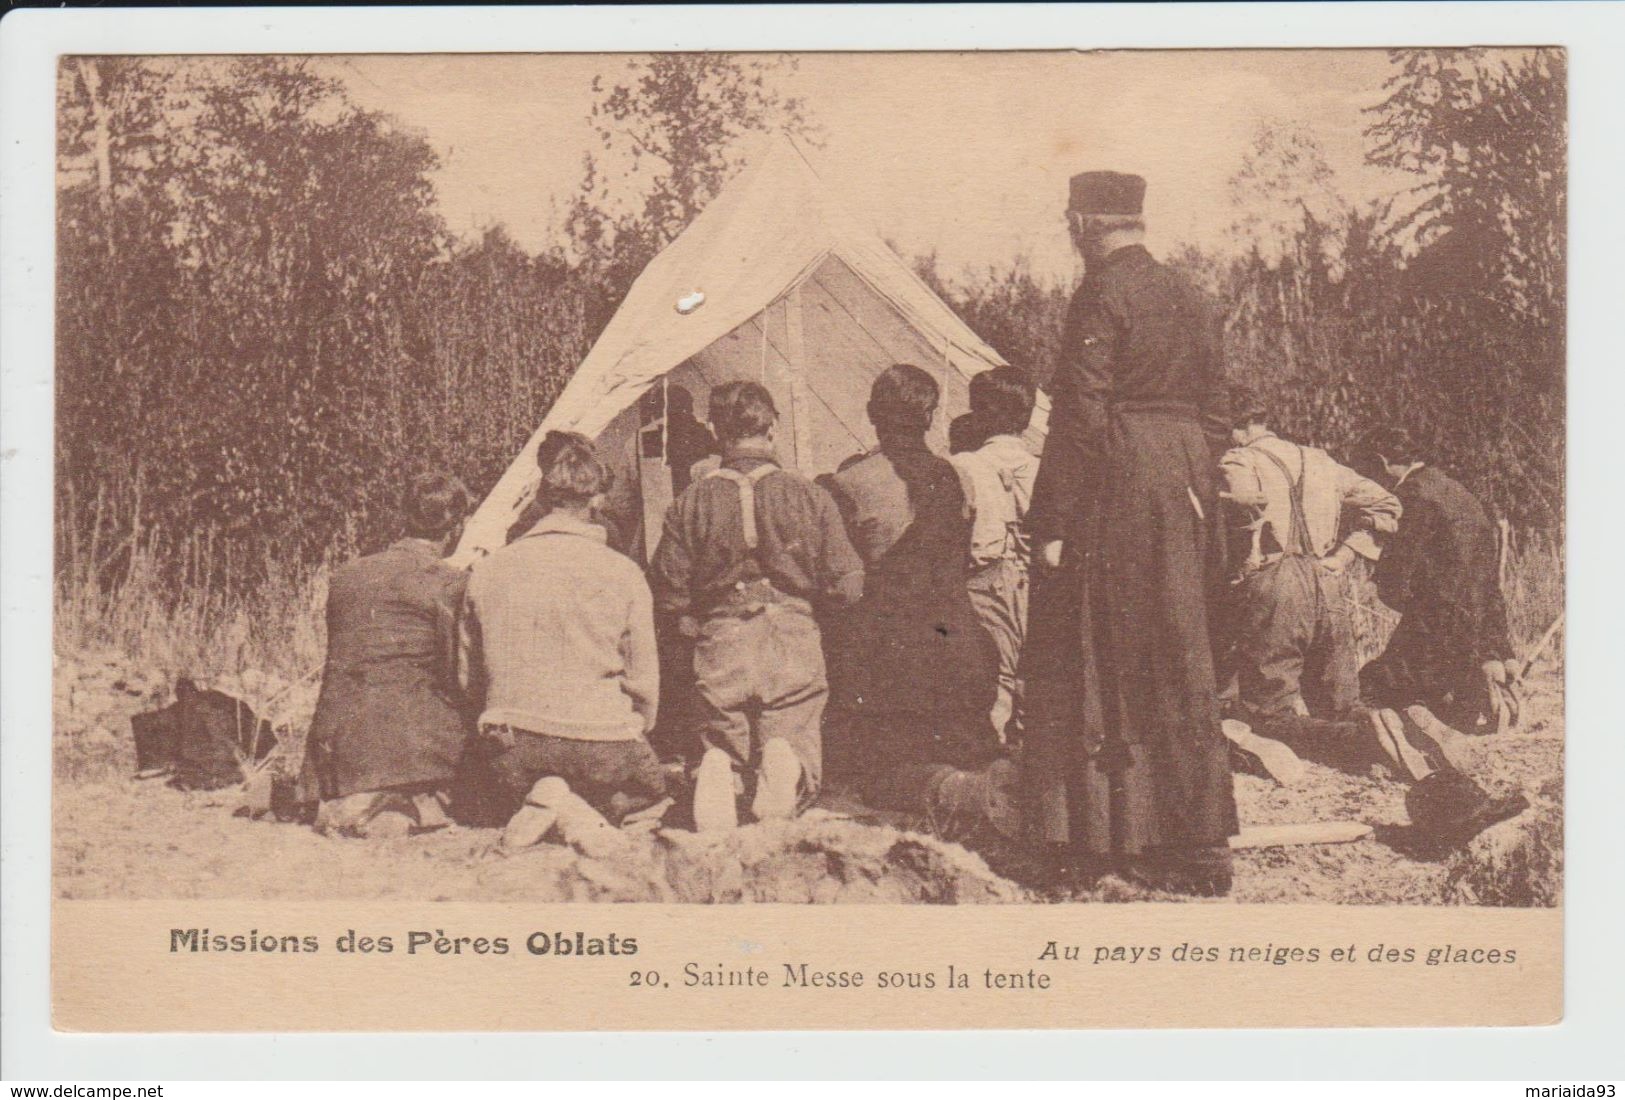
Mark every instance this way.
x=1545 y=640
x=1307 y=832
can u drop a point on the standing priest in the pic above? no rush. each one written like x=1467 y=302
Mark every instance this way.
x=1126 y=767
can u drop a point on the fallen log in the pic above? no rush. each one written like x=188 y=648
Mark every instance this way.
x=1306 y=832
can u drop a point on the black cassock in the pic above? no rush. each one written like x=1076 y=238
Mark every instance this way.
x=1124 y=751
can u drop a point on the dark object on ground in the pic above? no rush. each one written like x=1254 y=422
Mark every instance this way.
x=285 y=805
x=1203 y=872
x=205 y=739
x=154 y=742
x=1447 y=809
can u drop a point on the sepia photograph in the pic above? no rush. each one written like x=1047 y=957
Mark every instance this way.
x=1037 y=478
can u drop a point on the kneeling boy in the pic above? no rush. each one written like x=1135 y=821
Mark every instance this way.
x=558 y=641
x=746 y=553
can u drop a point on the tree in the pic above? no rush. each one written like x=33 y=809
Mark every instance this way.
x=1020 y=316
x=1284 y=182
x=1446 y=318
x=1486 y=134
x=668 y=142
x=236 y=242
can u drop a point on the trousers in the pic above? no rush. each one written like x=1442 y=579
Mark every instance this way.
x=998 y=592
x=759 y=675
x=1293 y=642
x=615 y=778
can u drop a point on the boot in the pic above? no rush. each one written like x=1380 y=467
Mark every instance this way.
x=1274 y=758
x=714 y=805
x=986 y=795
x=956 y=796
x=430 y=812
x=528 y=825
x=1003 y=805
x=386 y=825
x=1436 y=738
x=778 y=782
x=1389 y=731
x=579 y=825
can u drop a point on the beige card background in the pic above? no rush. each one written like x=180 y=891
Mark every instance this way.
x=113 y=969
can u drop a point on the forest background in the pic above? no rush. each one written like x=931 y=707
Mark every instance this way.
x=264 y=326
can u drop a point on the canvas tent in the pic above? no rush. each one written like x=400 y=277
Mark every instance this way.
x=796 y=295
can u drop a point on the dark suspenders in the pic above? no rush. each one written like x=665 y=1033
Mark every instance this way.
x=1302 y=545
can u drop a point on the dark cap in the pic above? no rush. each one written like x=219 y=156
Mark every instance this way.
x=1107 y=193
x=1447 y=809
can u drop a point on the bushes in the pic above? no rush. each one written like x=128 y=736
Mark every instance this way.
x=264 y=329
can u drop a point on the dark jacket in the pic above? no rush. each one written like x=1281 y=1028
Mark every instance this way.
x=802 y=548
x=388 y=714
x=1440 y=572
x=913 y=645
x=1124 y=748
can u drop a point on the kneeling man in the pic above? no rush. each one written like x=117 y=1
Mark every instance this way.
x=558 y=646
x=389 y=730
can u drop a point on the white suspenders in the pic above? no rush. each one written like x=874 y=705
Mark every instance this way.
x=747 y=497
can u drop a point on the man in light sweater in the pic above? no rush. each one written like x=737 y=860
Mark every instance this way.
x=557 y=645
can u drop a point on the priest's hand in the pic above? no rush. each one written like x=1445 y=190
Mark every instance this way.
x=1050 y=552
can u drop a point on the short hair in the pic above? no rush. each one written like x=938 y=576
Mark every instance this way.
x=1246 y=406
x=433 y=504
x=1002 y=400
x=742 y=410
x=572 y=473
x=903 y=399
x=1388 y=441
x=965 y=434
x=678 y=399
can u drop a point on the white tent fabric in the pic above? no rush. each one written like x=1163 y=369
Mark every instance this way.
x=797 y=295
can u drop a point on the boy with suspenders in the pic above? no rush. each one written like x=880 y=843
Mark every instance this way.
x=1290 y=638
x=1298 y=675
x=746 y=554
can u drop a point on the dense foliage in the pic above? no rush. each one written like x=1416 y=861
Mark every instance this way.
x=264 y=327
x=1442 y=310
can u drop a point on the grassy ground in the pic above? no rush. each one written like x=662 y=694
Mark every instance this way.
x=116 y=837
x=118 y=651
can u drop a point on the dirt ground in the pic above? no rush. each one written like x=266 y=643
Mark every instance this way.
x=117 y=837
